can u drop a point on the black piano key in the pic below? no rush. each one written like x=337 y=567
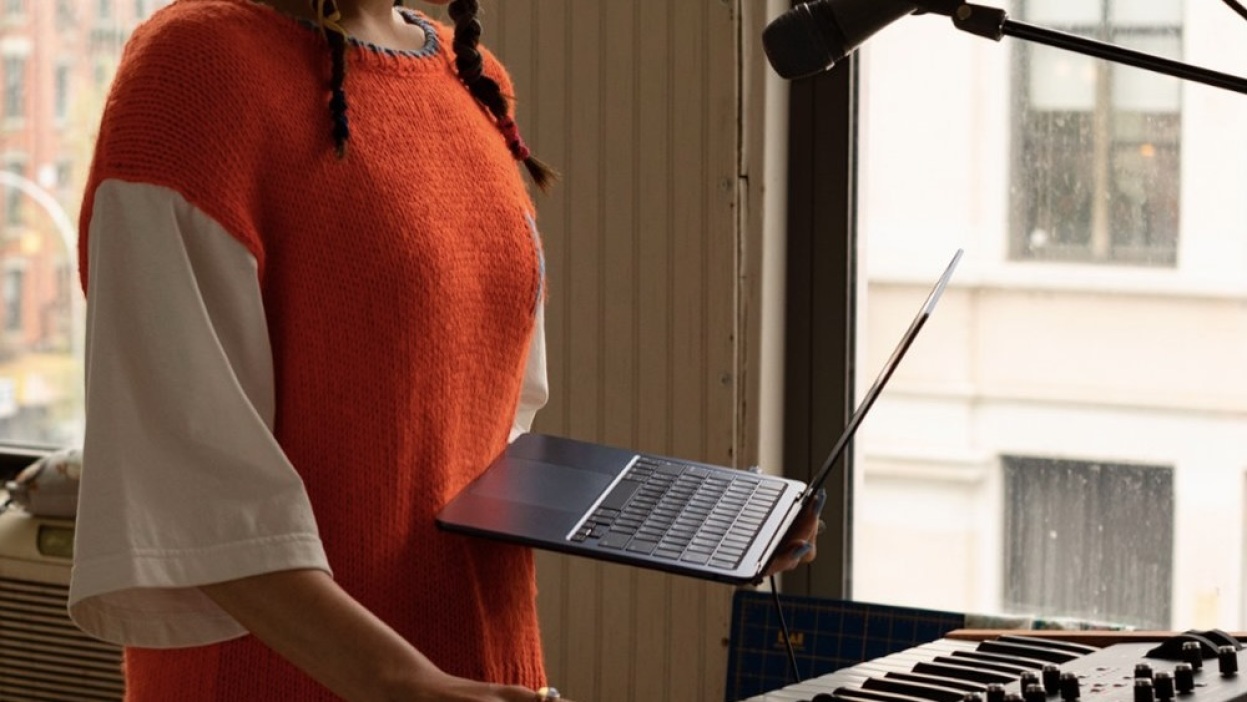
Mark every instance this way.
x=1049 y=655
x=1067 y=646
x=1013 y=671
x=858 y=694
x=926 y=691
x=963 y=685
x=1024 y=663
x=962 y=672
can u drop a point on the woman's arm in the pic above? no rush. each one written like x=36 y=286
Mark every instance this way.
x=308 y=619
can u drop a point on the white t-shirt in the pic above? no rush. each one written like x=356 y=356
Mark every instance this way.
x=183 y=482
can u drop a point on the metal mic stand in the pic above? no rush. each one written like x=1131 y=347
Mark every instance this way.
x=994 y=23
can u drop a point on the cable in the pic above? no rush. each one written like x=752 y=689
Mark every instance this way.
x=779 y=609
x=1237 y=7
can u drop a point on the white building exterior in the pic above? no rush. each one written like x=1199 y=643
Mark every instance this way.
x=1094 y=362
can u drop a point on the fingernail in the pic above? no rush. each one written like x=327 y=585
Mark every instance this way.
x=820 y=499
x=802 y=548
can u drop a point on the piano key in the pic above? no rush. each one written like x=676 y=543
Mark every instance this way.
x=926 y=691
x=963 y=685
x=1068 y=646
x=1013 y=671
x=1027 y=650
x=863 y=695
x=1025 y=663
x=964 y=672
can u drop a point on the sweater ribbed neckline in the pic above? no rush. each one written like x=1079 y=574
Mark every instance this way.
x=368 y=53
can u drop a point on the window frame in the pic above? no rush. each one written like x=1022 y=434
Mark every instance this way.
x=821 y=279
x=1103 y=245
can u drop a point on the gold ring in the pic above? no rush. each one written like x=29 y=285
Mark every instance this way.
x=548 y=693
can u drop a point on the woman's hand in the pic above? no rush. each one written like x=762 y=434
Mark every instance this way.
x=307 y=618
x=800 y=543
x=447 y=688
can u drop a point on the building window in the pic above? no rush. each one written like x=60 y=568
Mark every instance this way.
x=64 y=173
x=1097 y=144
x=14 y=8
x=1089 y=540
x=14 y=86
x=13 y=197
x=66 y=15
x=14 y=278
x=105 y=9
x=60 y=93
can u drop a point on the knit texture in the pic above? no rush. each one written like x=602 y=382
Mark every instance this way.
x=399 y=285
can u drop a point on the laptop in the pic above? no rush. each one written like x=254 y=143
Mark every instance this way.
x=669 y=514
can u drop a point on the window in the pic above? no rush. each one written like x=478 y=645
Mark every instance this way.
x=1073 y=527
x=14 y=8
x=43 y=163
x=14 y=198
x=60 y=93
x=1125 y=353
x=1098 y=144
x=66 y=16
x=14 y=277
x=14 y=87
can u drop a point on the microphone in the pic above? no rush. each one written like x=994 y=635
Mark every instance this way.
x=810 y=38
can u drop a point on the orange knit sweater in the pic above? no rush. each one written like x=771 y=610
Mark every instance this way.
x=400 y=286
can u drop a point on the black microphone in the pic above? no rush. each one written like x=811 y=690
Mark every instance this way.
x=810 y=38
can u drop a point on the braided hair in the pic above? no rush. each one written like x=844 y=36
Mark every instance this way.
x=469 y=63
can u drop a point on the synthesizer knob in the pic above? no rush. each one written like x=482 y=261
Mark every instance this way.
x=1184 y=678
x=995 y=692
x=1193 y=654
x=1013 y=697
x=1051 y=679
x=1035 y=693
x=1069 y=687
x=1143 y=690
x=1142 y=670
x=1028 y=678
x=1162 y=684
x=1227 y=659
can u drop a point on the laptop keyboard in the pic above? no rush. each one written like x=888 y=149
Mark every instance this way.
x=682 y=513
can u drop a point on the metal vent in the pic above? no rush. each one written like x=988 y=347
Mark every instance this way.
x=43 y=656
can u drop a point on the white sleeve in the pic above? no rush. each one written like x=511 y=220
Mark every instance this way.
x=536 y=389
x=183 y=482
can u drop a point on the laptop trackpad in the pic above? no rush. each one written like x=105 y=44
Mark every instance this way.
x=542 y=485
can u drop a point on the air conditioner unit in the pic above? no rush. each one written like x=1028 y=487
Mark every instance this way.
x=43 y=656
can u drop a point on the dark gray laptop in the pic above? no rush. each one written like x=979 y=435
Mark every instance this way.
x=656 y=512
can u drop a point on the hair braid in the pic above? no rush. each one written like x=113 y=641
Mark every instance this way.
x=327 y=17
x=337 y=100
x=471 y=67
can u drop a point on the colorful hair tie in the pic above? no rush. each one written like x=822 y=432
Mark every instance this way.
x=511 y=132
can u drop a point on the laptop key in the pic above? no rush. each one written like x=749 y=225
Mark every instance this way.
x=620 y=494
x=640 y=545
x=615 y=539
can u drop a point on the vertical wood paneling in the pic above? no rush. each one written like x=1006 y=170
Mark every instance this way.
x=620 y=319
x=637 y=104
x=654 y=117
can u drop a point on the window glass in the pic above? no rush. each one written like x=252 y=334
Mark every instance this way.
x=1071 y=426
x=57 y=59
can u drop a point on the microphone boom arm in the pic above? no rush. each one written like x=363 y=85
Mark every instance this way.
x=993 y=23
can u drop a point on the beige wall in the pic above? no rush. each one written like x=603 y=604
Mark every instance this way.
x=641 y=106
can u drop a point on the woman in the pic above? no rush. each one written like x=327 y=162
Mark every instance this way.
x=315 y=297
